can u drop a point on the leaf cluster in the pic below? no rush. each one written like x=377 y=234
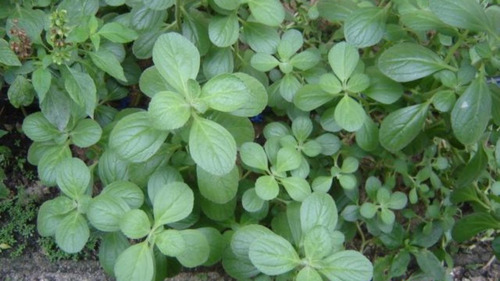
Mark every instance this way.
x=262 y=134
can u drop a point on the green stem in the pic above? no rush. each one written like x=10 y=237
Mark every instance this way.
x=178 y=14
x=455 y=47
x=362 y=235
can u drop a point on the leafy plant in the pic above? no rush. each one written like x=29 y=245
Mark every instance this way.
x=385 y=112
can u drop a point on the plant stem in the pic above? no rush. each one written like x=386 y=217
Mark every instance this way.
x=363 y=239
x=178 y=14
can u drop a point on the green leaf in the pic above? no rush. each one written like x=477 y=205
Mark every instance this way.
x=197 y=248
x=111 y=246
x=347 y=265
x=368 y=210
x=330 y=83
x=297 y=188
x=39 y=129
x=73 y=177
x=400 y=263
x=308 y=274
x=398 y=201
x=159 y=4
x=51 y=213
x=224 y=31
x=143 y=45
x=134 y=139
x=358 y=83
x=273 y=255
x=48 y=166
x=267 y=187
x=107 y=61
x=218 y=61
x=387 y=216
x=169 y=110
x=444 y=100
x=462 y=14
x=472 y=224
x=318 y=243
x=256 y=96
x=7 y=56
x=135 y=264
x=170 y=242
x=218 y=189
x=135 y=224
x=127 y=191
x=72 y=233
x=367 y=135
x=408 y=61
x=118 y=33
x=253 y=155
x=81 y=89
x=251 y=202
x=288 y=86
x=291 y=42
x=383 y=89
x=225 y=92
x=365 y=27
x=228 y=4
x=336 y=10
x=177 y=60
x=322 y=184
x=472 y=112
x=301 y=128
x=240 y=128
x=151 y=82
x=86 y=133
x=260 y=37
x=212 y=147
x=318 y=209
x=400 y=127
x=305 y=60
x=349 y=165
x=217 y=244
x=143 y=18
x=312 y=148
x=347 y=181
x=472 y=170
x=21 y=92
x=268 y=12
x=343 y=59
x=310 y=97
x=430 y=264
x=172 y=203
x=264 y=62
x=349 y=114
x=288 y=159
x=41 y=79
x=105 y=212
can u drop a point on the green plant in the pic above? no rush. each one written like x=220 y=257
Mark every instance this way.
x=385 y=112
x=17 y=216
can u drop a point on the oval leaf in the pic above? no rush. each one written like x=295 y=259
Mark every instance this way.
x=402 y=126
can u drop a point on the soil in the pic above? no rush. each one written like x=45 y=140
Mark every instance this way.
x=473 y=263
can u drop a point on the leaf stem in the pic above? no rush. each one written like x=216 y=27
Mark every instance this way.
x=454 y=48
x=178 y=14
x=363 y=239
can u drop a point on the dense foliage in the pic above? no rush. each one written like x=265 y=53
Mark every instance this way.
x=262 y=134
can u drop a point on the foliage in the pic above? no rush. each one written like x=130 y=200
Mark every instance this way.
x=380 y=126
x=16 y=223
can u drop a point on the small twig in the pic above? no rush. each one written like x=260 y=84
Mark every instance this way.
x=488 y=264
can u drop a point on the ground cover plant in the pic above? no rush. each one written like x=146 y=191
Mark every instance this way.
x=286 y=140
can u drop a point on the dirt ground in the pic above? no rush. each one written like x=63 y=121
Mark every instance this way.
x=36 y=267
